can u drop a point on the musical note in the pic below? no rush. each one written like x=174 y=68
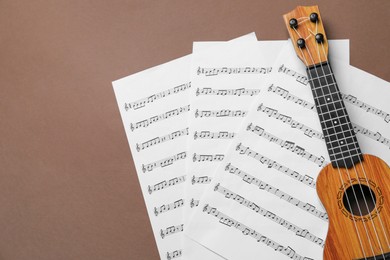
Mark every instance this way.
x=213 y=135
x=286 y=95
x=230 y=222
x=220 y=113
x=370 y=109
x=299 y=77
x=290 y=146
x=201 y=180
x=142 y=102
x=207 y=157
x=154 y=119
x=375 y=136
x=162 y=139
x=305 y=179
x=168 y=207
x=171 y=230
x=226 y=70
x=227 y=92
x=164 y=162
x=288 y=120
x=174 y=254
x=194 y=203
x=165 y=184
x=246 y=177
x=269 y=215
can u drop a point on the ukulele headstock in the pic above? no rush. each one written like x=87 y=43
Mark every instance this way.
x=306 y=30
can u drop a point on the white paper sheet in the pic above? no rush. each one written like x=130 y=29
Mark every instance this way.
x=262 y=202
x=154 y=106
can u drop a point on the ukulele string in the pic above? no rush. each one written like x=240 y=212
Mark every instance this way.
x=339 y=172
x=341 y=179
x=356 y=148
x=349 y=151
x=376 y=234
x=346 y=143
x=311 y=57
x=365 y=176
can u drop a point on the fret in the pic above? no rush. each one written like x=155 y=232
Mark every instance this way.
x=342 y=134
x=336 y=107
x=325 y=69
x=329 y=100
x=338 y=132
x=322 y=76
x=347 y=161
x=323 y=84
x=331 y=127
x=353 y=144
x=325 y=81
x=340 y=109
x=341 y=143
x=351 y=152
x=342 y=122
x=334 y=117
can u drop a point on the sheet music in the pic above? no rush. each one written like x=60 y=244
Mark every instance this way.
x=221 y=100
x=154 y=106
x=262 y=201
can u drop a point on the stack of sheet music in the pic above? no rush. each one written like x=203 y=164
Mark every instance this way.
x=227 y=146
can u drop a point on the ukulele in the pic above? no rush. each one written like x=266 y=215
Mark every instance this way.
x=354 y=188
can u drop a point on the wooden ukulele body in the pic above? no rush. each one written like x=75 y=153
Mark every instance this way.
x=342 y=241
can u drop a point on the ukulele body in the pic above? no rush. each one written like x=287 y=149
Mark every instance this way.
x=342 y=241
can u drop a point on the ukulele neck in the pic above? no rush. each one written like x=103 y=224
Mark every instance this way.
x=341 y=142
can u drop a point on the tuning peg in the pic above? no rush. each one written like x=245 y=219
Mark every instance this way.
x=319 y=38
x=301 y=43
x=293 y=23
x=313 y=17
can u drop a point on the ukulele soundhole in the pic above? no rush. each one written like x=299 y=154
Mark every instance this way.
x=363 y=190
x=358 y=201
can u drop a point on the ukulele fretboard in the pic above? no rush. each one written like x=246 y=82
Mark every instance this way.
x=343 y=147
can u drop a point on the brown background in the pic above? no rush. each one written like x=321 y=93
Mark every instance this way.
x=68 y=189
